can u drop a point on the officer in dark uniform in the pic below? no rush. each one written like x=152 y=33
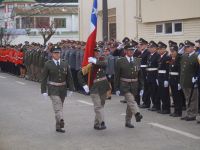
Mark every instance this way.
x=152 y=73
x=126 y=83
x=163 y=80
x=98 y=86
x=174 y=79
x=57 y=77
x=142 y=46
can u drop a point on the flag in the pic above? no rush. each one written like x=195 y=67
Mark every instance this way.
x=91 y=41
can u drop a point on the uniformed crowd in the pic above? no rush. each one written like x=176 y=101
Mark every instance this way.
x=162 y=77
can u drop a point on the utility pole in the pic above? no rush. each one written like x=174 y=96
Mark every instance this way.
x=105 y=20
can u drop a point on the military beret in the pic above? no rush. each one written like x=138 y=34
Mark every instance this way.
x=142 y=41
x=129 y=46
x=152 y=44
x=55 y=49
x=126 y=40
x=161 y=45
x=134 y=43
x=197 y=41
x=171 y=43
x=188 y=43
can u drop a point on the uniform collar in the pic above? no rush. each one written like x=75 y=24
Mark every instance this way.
x=128 y=58
x=55 y=61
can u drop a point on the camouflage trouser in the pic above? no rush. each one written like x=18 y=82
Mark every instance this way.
x=99 y=102
x=57 y=103
x=132 y=107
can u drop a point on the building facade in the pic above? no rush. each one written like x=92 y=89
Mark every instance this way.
x=151 y=19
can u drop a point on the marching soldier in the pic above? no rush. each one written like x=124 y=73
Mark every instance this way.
x=57 y=76
x=152 y=73
x=142 y=46
x=174 y=79
x=98 y=87
x=188 y=79
x=163 y=80
x=126 y=82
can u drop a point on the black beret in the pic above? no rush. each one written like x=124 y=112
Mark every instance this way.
x=142 y=41
x=129 y=46
x=55 y=49
x=161 y=45
x=152 y=44
x=126 y=40
x=188 y=43
x=197 y=41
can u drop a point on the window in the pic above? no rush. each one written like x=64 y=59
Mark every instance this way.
x=42 y=22
x=27 y=22
x=168 y=28
x=159 y=28
x=18 y=23
x=60 y=22
x=10 y=8
x=178 y=27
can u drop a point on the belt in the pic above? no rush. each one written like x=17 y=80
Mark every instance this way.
x=100 y=79
x=152 y=69
x=143 y=66
x=174 y=73
x=128 y=80
x=162 y=71
x=56 y=83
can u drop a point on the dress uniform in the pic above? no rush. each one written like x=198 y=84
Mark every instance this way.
x=188 y=79
x=151 y=75
x=174 y=79
x=126 y=83
x=144 y=57
x=57 y=77
x=163 y=99
x=99 y=86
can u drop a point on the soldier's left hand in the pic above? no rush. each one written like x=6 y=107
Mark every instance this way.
x=92 y=60
x=166 y=83
x=70 y=93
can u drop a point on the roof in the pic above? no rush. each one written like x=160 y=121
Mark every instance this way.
x=11 y=1
x=40 y=11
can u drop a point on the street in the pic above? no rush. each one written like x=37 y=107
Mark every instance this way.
x=27 y=123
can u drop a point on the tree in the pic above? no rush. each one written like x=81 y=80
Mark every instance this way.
x=6 y=37
x=47 y=32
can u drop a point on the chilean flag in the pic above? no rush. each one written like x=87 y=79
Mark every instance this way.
x=91 y=41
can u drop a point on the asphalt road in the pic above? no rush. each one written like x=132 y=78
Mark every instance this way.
x=27 y=123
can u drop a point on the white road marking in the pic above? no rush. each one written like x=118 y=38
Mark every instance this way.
x=22 y=83
x=84 y=102
x=2 y=77
x=123 y=114
x=175 y=130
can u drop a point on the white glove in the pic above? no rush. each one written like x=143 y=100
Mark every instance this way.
x=45 y=95
x=179 y=87
x=157 y=82
x=109 y=76
x=141 y=92
x=194 y=79
x=70 y=93
x=86 y=88
x=92 y=60
x=166 y=83
x=117 y=93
